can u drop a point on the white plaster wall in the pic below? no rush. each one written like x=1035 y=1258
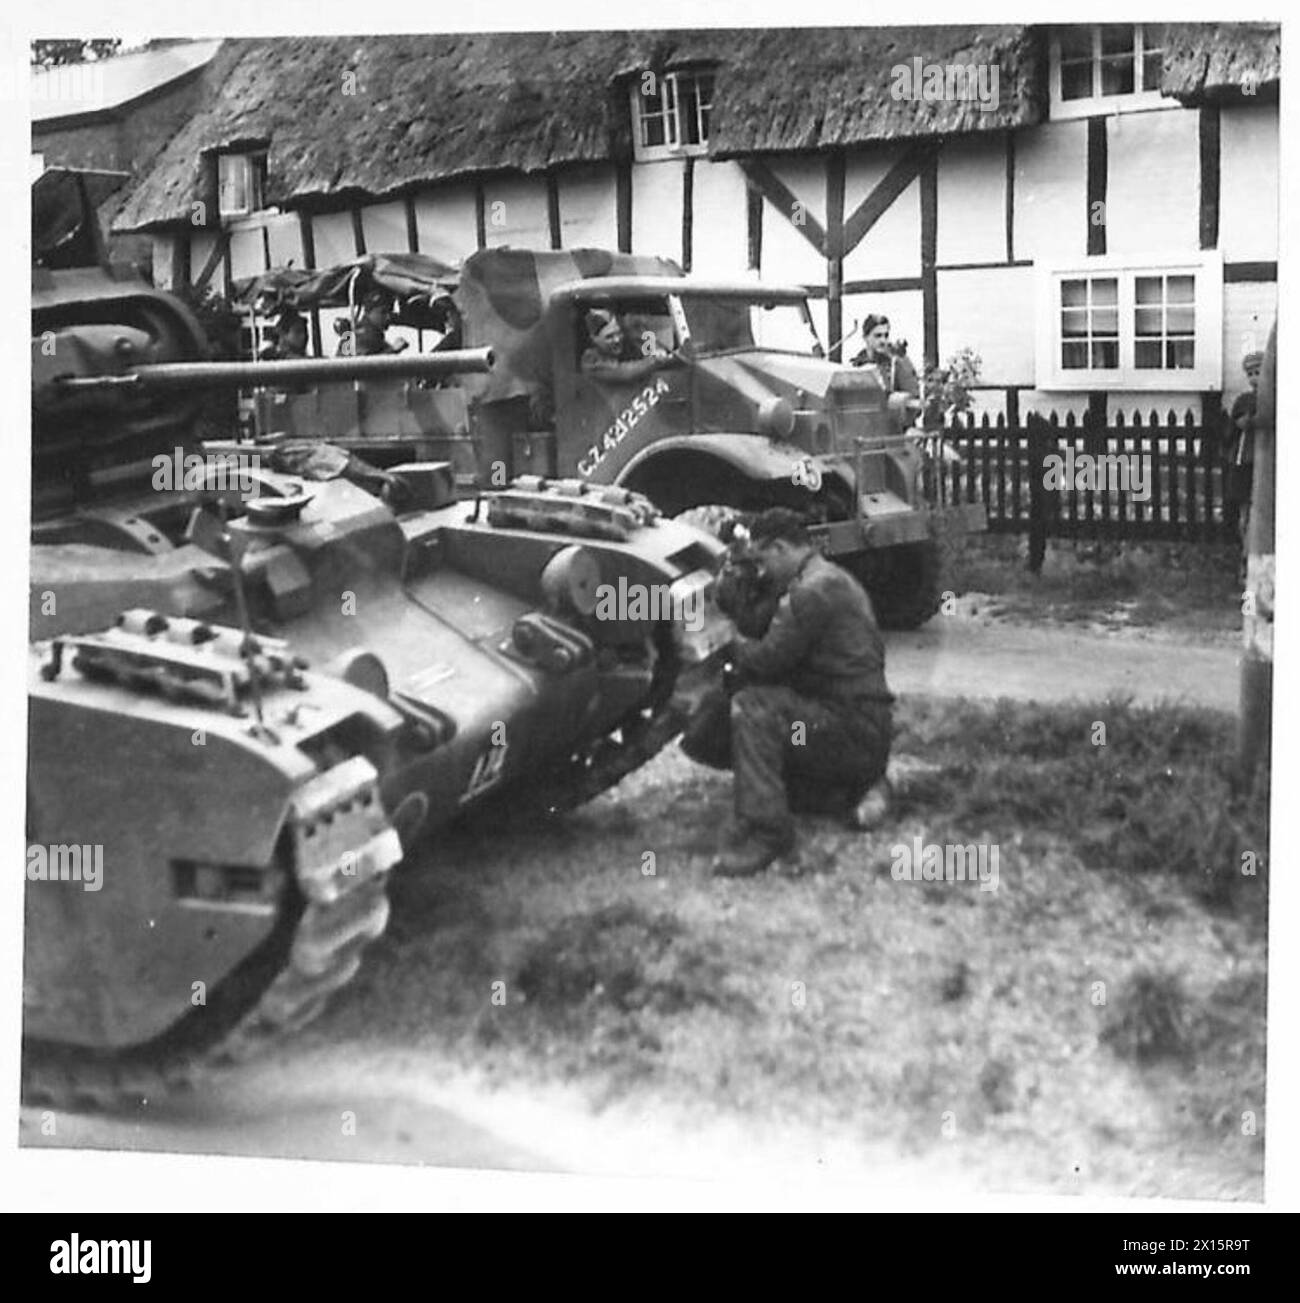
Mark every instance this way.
x=787 y=254
x=332 y=238
x=1051 y=191
x=588 y=209
x=720 y=228
x=893 y=245
x=284 y=234
x=991 y=311
x=514 y=211
x=162 y=254
x=1153 y=182
x=1248 y=184
x=247 y=252
x=384 y=228
x=972 y=199
x=657 y=208
x=805 y=178
x=444 y=222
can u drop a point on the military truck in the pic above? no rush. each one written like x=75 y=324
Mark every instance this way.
x=721 y=397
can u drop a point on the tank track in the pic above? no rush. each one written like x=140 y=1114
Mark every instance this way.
x=607 y=762
x=327 y=919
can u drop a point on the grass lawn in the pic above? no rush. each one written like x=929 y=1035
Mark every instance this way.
x=1191 y=589
x=1096 y=1023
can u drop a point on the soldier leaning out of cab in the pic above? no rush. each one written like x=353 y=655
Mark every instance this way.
x=611 y=355
x=808 y=727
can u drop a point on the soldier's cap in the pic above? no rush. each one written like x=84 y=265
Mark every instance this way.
x=598 y=319
x=376 y=298
x=289 y=318
x=779 y=524
x=1252 y=361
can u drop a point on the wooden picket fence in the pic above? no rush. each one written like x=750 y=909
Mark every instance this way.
x=1005 y=467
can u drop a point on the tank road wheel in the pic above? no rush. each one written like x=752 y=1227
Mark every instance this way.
x=905 y=582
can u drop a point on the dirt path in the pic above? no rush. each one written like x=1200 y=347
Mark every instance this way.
x=972 y=658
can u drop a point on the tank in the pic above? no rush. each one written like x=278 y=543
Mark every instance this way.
x=260 y=675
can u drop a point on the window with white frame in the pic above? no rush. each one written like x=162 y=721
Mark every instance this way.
x=1106 y=68
x=1121 y=323
x=670 y=113
x=239 y=184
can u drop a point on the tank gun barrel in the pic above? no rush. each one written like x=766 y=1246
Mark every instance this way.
x=164 y=376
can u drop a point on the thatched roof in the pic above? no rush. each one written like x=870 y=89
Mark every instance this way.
x=1215 y=61
x=429 y=108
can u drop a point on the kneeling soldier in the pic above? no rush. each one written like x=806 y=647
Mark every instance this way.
x=810 y=724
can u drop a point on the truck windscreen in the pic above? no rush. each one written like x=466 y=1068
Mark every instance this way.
x=724 y=324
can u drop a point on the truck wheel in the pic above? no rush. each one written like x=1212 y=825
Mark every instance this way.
x=904 y=582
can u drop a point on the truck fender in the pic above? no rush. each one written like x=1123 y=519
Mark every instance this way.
x=754 y=455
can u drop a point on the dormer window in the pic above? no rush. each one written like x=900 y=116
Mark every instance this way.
x=239 y=183
x=670 y=113
x=1106 y=68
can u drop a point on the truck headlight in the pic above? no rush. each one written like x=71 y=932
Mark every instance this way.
x=775 y=418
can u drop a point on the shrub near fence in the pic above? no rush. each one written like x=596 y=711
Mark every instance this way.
x=1005 y=467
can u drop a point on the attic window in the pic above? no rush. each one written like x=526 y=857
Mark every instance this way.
x=239 y=183
x=1107 y=68
x=670 y=113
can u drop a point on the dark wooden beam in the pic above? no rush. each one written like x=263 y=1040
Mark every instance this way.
x=412 y=229
x=754 y=228
x=782 y=198
x=358 y=232
x=835 y=251
x=1009 y=197
x=688 y=212
x=1236 y=273
x=266 y=248
x=884 y=285
x=480 y=215
x=553 y=210
x=181 y=261
x=623 y=204
x=1208 y=131
x=929 y=256
x=219 y=248
x=1098 y=171
x=883 y=194
x=983 y=266
x=307 y=236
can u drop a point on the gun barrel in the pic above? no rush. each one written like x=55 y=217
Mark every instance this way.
x=161 y=376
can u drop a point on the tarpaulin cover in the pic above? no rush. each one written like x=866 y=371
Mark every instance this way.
x=414 y=280
x=502 y=298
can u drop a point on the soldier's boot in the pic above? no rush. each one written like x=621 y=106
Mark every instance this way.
x=756 y=849
x=873 y=809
